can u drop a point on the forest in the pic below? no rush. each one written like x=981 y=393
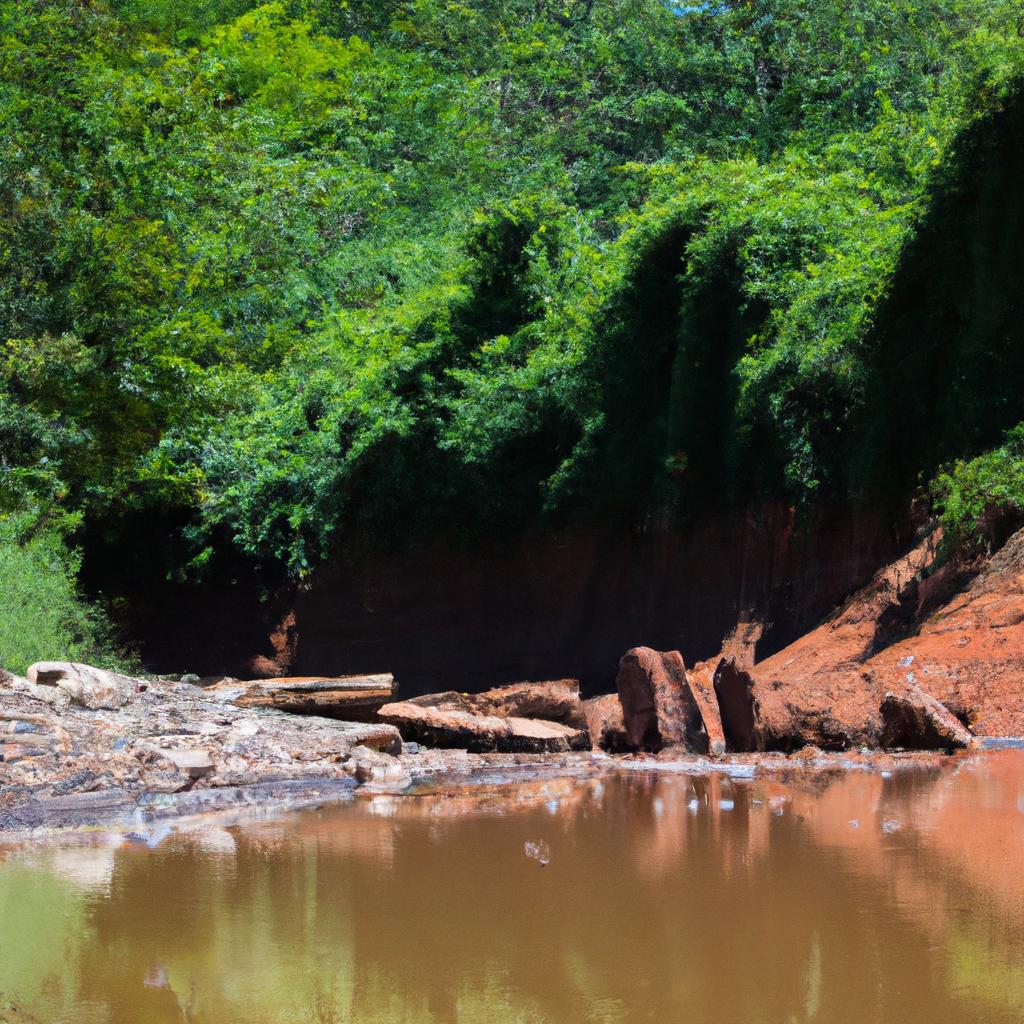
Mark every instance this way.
x=281 y=278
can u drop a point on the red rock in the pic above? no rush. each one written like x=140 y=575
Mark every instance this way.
x=556 y=701
x=817 y=690
x=605 y=725
x=737 y=706
x=702 y=685
x=658 y=707
x=916 y=721
x=969 y=652
x=965 y=649
x=351 y=698
x=741 y=642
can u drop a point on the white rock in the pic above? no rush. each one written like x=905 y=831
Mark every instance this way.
x=193 y=762
x=90 y=687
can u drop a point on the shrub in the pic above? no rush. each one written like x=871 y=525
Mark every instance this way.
x=976 y=498
x=42 y=615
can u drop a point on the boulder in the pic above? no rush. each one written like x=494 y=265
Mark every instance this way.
x=914 y=720
x=555 y=701
x=605 y=725
x=658 y=706
x=89 y=687
x=52 y=695
x=702 y=686
x=448 y=726
x=352 y=698
x=737 y=706
x=537 y=736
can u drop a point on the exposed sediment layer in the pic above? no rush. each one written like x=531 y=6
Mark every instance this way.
x=953 y=633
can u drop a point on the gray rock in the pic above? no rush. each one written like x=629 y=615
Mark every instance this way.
x=193 y=762
x=379 y=771
x=169 y=740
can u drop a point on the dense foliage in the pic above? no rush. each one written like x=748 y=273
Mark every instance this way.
x=977 y=497
x=43 y=614
x=295 y=268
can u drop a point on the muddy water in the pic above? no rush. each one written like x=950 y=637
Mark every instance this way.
x=852 y=897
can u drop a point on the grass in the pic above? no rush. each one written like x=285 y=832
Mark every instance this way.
x=43 y=617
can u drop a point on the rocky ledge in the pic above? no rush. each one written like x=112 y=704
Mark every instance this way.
x=528 y=718
x=80 y=745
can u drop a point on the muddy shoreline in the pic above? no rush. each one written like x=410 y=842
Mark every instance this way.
x=428 y=773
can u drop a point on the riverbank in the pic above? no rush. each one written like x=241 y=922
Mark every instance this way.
x=924 y=661
x=117 y=809
x=174 y=752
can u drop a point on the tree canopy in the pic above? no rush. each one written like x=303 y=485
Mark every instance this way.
x=304 y=267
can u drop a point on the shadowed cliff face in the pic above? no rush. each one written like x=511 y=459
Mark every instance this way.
x=545 y=606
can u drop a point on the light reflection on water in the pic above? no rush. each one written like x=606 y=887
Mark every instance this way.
x=847 y=897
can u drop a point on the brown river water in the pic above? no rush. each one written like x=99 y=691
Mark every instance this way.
x=842 y=897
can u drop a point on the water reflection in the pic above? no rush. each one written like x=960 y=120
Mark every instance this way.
x=844 y=897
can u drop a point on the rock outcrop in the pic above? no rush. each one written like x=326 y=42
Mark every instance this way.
x=167 y=747
x=952 y=634
x=818 y=690
x=658 y=707
x=605 y=725
x=352 y=698
x=968 y=652
x=916 y=721
x=545 y=717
